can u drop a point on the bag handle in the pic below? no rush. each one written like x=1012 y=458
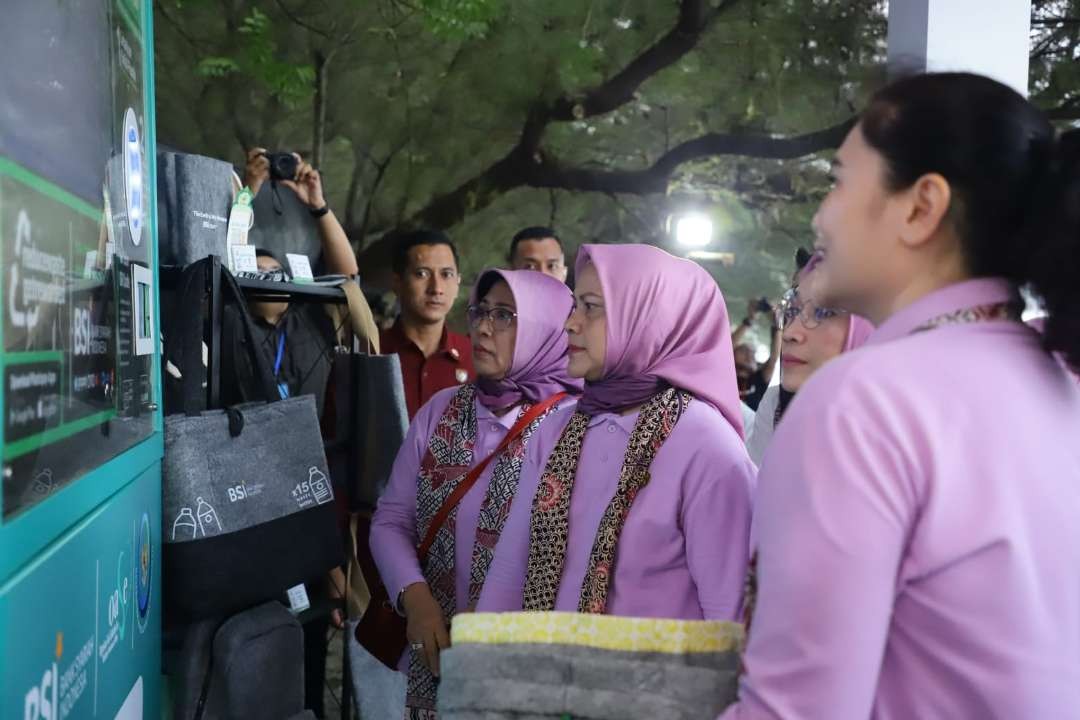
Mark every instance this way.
x=361 y=318
x=264 y=375
x=459 y=492
x=185 y=337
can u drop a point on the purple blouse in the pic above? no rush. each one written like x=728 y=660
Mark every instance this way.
x=684 y=548
x=918 y=530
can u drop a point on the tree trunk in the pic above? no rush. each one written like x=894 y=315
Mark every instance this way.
x=318 y=140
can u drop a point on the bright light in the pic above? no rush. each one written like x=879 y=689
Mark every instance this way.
x=693 y=230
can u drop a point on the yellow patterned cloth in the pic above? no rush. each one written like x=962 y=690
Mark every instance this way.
x=605 y=632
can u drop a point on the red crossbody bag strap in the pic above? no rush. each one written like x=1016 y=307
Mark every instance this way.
x=459 y=492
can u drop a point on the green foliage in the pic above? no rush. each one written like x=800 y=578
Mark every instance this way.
x=460 y=19
x=425 y=94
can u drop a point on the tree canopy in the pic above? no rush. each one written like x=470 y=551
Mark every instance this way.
x=600 y=118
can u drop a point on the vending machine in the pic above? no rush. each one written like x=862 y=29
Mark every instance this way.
x=80 y=511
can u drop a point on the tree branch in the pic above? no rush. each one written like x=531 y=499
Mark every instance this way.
x=519 y=166
x=654 y=179
x=694 y=18
x=296 y=19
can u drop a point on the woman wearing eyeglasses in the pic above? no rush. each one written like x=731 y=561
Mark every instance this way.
x=812 y=336
x=520 y=355
x=643 y=493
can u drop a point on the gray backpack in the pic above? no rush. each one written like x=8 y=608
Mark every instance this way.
x=249 y=666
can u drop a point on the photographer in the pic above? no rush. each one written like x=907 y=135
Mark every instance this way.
x=298 y=343
x=754 y=379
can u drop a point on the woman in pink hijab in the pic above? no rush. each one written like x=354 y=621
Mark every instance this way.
x=520 y=352
x=643 y=500
x=812 y=336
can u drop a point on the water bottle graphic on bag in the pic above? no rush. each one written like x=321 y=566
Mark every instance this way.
x=320 y=486
x=207 y=517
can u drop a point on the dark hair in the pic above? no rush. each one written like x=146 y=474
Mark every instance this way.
x=487 y=280
x=263 y=252
x=802 y=257
x=536 y=232
x=406 y=241
x=1015 y=189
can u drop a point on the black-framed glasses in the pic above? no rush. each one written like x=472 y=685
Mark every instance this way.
x=811 y=315
x=501 y=318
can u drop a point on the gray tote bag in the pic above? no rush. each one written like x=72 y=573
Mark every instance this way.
x=248 y=505
x=195 y=196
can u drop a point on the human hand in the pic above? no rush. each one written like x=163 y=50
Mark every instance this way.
x=307 y=185
x=336 y=591
x=425 y=624
x=257 y=170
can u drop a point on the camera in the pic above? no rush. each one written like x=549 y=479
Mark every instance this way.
x=283 y=165
x=763 y=305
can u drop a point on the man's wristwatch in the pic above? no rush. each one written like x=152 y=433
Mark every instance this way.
x=319 y=212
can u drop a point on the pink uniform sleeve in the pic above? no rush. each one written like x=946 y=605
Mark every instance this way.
x=393 y=527
x=835 y=504
x=716 y=515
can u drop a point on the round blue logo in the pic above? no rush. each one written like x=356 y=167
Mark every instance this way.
x=143 y=571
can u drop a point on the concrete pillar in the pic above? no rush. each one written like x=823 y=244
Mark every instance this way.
x=989 y=37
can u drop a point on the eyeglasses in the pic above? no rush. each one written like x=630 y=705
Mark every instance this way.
x=810 y=314
x=501 y=318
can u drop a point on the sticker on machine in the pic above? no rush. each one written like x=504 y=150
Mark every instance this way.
x=133 y=176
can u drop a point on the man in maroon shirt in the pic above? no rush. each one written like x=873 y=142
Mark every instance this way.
x=427 y=282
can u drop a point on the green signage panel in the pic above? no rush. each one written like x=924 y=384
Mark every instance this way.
x=79 y=628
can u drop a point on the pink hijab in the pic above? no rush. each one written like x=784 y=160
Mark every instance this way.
x=538 y=368
x=667 y=324
x=859 y=331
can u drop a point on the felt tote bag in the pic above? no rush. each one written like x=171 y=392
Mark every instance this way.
x=247 y=500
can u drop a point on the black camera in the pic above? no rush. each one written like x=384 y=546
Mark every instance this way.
x=283 y=165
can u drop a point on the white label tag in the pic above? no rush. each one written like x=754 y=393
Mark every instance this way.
x=298 y=599
x=90 y=264
x=300 y=266
x=242 y=259
x=240 y=221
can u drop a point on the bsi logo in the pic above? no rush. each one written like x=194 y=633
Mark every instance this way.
x=42 y=702
x=243 y=491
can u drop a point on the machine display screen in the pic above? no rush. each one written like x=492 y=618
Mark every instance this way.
x=75 y=278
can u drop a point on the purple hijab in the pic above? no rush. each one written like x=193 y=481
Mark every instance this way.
x=541 y=351
x=667 y=324
x=859 y=331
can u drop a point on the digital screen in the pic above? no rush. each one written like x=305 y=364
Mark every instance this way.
x=76 y=390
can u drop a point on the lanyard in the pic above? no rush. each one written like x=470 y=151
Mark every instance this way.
x=283 y=388
x=991 y=312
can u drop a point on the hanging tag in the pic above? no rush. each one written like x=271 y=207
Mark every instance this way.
x=298 y=599
x=242 y=259
x=241 y=218
x=300 y=267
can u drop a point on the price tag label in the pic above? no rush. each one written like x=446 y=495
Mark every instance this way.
x=242 y=259
x=298 y=599
x=241 y=218
x=300 y=266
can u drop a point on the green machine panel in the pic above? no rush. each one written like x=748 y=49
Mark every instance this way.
x=81 y=428
x=82 y=636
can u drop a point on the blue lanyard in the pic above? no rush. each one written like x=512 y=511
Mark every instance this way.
x=283 y=388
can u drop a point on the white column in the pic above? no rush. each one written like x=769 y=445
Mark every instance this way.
x=989 y=37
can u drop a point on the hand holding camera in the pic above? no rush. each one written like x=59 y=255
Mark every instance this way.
x=290 y=170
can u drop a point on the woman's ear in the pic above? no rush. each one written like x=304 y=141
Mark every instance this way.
x=930 y=199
